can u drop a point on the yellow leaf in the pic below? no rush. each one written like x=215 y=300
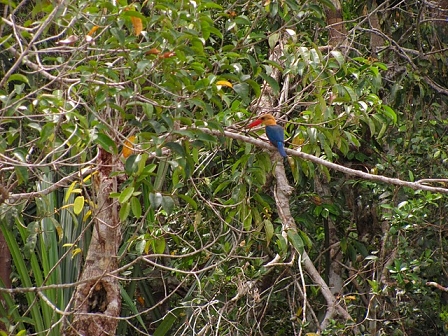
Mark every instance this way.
x=137 y=24
x=70 y=190
x=60 y=232
x=128 y=147
x=76 y=251
x=78 y=205
x=85 y=179
x=224 y=83
x=87 y=215
x=298 y=140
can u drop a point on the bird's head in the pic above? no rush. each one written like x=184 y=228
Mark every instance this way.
x=265 y=119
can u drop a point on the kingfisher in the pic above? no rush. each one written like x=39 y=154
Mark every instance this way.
x=275 y=133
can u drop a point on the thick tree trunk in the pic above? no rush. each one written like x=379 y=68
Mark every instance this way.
x=376 y=40
x=338 y=33
x=97 y=299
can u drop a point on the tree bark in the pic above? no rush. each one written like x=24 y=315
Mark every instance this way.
x=338 y=33
x=376 y=40
x=97 y=300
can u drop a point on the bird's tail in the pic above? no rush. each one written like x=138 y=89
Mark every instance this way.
x=281 y=149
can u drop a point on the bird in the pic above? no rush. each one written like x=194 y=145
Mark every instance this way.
x=275 y=133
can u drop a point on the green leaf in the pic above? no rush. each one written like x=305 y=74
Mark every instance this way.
x=18 y=77
x=105 y=142
x=126 y=194
x=273 y=39
x=295 y=240
x=168 y=204
x=338 y=57
x=269 y=230
x=272 y=82
x=190 y=201
x=281 y=244
x=307 y=241
x=78 y=205
x=134 y=13
x=176 y=148
x=58 y=228
x=132 y=164
x=159 y=245
x=155 y=199
x=136 y=207
x=168 y=322
x=22 y=174
x=242 y=89
x=124 y=211
x=390 y=113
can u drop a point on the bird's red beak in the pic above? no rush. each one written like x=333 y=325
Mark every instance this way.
x=254 y=123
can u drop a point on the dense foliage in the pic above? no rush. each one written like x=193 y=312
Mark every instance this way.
x=155 y=84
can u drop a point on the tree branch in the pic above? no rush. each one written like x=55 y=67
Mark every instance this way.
x=418 y=185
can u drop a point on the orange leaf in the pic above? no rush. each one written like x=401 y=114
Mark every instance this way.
x=128 y=147
x=232 y=13
x=167 y=54
x=92 y=31
x=137 y=24
x=153 y=51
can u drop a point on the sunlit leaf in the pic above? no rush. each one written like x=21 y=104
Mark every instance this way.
x=70 y=190
x=137 y=24
x=18 y=77
x=78 y=205
x=92 y=31
x=76 y=251
x=126 y=194
x=224 y=83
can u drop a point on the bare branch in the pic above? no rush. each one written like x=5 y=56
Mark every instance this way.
x=418 y=185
